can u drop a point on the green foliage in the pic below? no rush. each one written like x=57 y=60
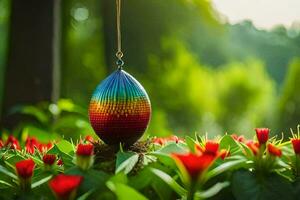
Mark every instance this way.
x=82 y=50
x=4 y=20
x=236 y=176
x=49 y=121
x=246 y=186
x=289 y=110
x=246 y=96
x=237 y=96
x=126 y=161
x=124 y=192
x=276 y=47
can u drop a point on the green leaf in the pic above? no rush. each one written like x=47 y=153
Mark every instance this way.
x=148 y=159
x=142 y=179
x=40 y=182
x=119 y=178
x=8 y=173
x=65 y=146
x=249 y=186
x=124 y=192
x=246 y=149
x=41 y=134
x=85 y=195
x=224 y=167
x=34 y=111
x=227 y=142
x=126 y=161
x=4 y=184
x=172 y=148
x=72 y=126
x=93 y=179
x=69 y=106
x=67 y=158
x=190 y=143
x=165 y=159
x=161 y=188
x=212 y=191
x=170 y=181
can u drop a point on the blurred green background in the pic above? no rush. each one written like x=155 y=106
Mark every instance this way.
x=202 y=74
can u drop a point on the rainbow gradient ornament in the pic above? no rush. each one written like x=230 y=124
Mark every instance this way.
x=120 y=109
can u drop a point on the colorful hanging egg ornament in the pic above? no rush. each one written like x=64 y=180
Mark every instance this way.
x=120 y=109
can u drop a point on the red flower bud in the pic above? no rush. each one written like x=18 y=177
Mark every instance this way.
x=30 y=144
x=211 y=147
x=29 y=149
x=195 y=165
x=273 y=150
x=49 y=159
x=60 y=162
x=85 y=150
x=172 y=138
x=89 y=138
x=13 y=143
x=262 y=135
x=65 y=186
x=1 y=144
x=254 y=146
x=296 y=145
x=31 y=141
x=159 y=140
x=237 y=138
x=44 y=147
x=25 y=168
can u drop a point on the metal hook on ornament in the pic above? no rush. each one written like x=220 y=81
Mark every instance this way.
x=119 y=62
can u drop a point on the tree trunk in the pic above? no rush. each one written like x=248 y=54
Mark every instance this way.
x=32 y=71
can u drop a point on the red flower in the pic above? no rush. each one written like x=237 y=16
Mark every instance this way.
x=60 y=162
x=194 y=164
x=49 y=159
x=89 y=138
x=238 y=138
x=158 y=140
x=30 y=144
x=31 y=141
x=1 y=144
x=25 y=168
x=29 y=149
x=172 y=138
x=296 y=145
x=211 y=147
x=13 y=143
x=262 y=135
x=273 y=150
x=64 y=185
x=45 y=147
x=254 y=146
x=224 y=154
x=85 y=150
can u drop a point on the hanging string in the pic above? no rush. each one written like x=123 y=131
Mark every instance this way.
x=119 y=53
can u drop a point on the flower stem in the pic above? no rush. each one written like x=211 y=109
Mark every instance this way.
x=25 y=184
x=191 y=192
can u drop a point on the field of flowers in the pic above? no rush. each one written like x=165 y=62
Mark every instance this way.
x=228 y=167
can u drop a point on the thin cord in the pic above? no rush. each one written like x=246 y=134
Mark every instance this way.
x=119 y=53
